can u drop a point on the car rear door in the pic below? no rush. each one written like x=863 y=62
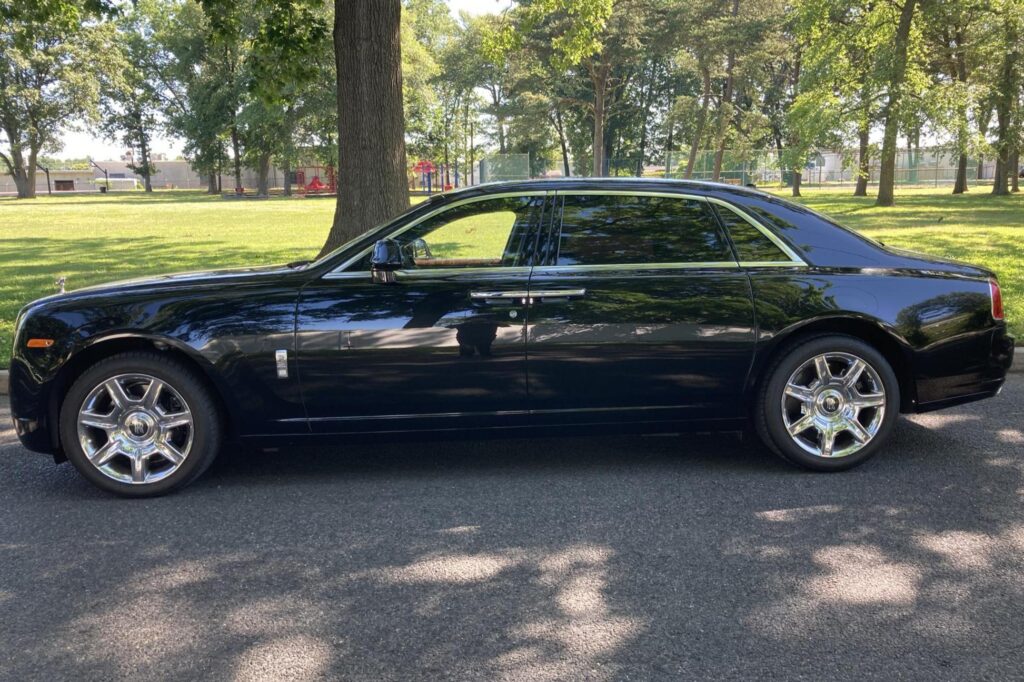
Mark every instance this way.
x=443 y=346
x=639 y=312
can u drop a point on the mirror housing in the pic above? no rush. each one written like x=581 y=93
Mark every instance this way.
x=385 y=259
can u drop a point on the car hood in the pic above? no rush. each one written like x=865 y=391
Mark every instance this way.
x=177 y=280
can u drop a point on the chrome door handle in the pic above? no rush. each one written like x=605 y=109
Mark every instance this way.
x=527 y=297
x=492 y=295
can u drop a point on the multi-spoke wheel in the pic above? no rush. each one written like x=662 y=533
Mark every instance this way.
x=135 y=428
x=829 y=403
x=139 y=424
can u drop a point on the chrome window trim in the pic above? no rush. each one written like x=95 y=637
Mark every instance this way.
x=794 y=258
x=427 y=273
x=704 y=265
x=339 y=272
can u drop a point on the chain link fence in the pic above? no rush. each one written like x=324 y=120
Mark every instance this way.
x=502 y=167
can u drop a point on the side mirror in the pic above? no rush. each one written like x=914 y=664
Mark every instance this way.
x=386 y=258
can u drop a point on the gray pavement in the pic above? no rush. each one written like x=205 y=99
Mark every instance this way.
x=584 y=558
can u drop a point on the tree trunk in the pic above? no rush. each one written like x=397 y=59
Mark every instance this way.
x=24 y=175
x=1015 y=171
x=560 y=128
x=372 y=185
x=1006 y=95
x=702 y=118
x=236 y=147
x=286 y=169
x=960 y=186
x=263 y=175
x=211 y=185
x=599 y=79
x=147 y=178
x=797 y=177
x=727 y=91
x=890 y=114
x=863 y=162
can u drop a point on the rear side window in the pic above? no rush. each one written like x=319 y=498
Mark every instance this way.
x=752 y=245
x=636 y=230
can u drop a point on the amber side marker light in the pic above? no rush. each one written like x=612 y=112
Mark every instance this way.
x=39 y=343
x=997 y=299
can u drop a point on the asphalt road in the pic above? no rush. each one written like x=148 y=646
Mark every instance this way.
x=612 y=558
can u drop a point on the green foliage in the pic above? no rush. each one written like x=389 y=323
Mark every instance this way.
x=50 y=71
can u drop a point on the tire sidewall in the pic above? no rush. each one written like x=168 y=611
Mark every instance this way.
x=771 y=401
x=206 y=426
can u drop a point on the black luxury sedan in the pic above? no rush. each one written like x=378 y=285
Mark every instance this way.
x=535 y=307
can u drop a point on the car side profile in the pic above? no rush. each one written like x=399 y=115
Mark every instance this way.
x=517 y=308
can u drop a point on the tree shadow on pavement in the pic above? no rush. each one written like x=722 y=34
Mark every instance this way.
x=607 y=558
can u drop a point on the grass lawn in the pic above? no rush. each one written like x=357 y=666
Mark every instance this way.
x=96 y=238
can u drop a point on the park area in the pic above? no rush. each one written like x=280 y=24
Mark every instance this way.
x=90 y=239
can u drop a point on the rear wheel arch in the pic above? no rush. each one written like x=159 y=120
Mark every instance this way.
x=895 y=352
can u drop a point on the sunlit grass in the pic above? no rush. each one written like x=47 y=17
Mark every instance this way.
x=96 y=238
x=975 y=227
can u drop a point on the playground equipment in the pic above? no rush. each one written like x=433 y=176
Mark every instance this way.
x=316 y=184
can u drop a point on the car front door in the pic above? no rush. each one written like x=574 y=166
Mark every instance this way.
x=443 y=345
x=640 y=312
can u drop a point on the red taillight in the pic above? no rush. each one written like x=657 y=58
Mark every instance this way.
x=997 y=299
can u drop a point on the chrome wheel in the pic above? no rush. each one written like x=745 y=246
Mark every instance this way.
x=833 y=404
x=135 y=428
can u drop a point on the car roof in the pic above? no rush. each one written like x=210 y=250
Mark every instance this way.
x=618 y=183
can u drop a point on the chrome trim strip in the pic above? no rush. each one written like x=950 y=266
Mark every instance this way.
x=794 y=258
x=628 y=193
x=555 y=269
x=494 y=413
x=427 y=273
x=558 y=293
x=334 y=274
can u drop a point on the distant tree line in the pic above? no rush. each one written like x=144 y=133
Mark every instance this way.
x=577 y=84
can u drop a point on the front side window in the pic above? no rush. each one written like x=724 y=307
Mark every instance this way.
x=491 y=232
x=488 y=233
x=485 y=233
x=602 y=229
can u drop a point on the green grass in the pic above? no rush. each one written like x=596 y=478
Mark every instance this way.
x=974 y=227
x=97 y=238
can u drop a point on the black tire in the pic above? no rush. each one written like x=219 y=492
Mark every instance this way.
x=768 y=411
x=206 y=424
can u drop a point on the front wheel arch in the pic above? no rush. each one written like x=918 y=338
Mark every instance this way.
x=99 y=349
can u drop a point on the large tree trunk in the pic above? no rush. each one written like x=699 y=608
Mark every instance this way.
x=863 y=162
x=887 y=171
x=263 y=175
x=960 y=186
x=702 y=119
x=797 y=178
x=372 y=185
x=211 y=183
x=599 y=79
x=24 y=175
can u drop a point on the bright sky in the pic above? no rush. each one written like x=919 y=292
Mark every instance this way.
x=80 y=143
